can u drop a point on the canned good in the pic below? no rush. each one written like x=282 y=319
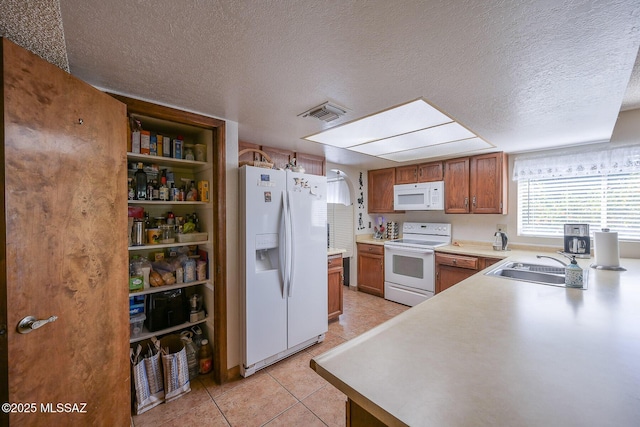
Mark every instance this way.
x=137 y=237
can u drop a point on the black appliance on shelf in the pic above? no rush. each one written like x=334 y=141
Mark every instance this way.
x=166 y=309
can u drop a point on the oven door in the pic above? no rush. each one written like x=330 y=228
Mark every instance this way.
x=411 y=267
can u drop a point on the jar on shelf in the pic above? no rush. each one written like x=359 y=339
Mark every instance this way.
x=189 y=270
x=167 y=233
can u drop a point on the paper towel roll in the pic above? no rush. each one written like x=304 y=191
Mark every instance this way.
x=606 y=249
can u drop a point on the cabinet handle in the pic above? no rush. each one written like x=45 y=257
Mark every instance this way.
x=474 y=201
x=466 y=202
x=455 y=261
x=342 y=278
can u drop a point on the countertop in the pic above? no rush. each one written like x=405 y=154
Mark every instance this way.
x=495 y=351
x=335 y=251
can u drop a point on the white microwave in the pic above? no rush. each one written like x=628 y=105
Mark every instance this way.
x=422 y=196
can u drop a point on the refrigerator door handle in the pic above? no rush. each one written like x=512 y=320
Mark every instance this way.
x=292 y=248
x=283 y=245
x=287 y=234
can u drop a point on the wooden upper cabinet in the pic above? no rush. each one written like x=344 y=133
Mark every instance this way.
x=476 y=184
x=425 y=172
x=488 y=183
x=314 y=165
x=407 y=174
x=380 y=190
x=456 y=185
x=429 y=172
x=280 y=157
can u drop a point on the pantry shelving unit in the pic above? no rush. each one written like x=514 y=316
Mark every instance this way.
x=210 y=132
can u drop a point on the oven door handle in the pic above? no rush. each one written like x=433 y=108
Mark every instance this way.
x=405 y=249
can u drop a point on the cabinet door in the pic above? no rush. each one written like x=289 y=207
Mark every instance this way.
x=488 y=177
x=371 y=273
x=335 y=286
x=447 y=276
x=279 y=156
x=407 y=174
x=429 y=172
x=380 y=190
x=456 y=185
x=64 y=192
x=314 y=165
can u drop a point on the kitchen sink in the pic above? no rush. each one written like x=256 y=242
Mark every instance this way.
x=535 y=273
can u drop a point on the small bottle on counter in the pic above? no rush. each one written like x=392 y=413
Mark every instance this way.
x=573 y=275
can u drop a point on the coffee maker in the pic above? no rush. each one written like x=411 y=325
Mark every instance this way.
x=577 y=241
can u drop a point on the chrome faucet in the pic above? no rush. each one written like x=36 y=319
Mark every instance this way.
x=555 y=259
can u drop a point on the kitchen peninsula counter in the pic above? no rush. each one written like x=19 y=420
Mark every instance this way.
x=495 y=351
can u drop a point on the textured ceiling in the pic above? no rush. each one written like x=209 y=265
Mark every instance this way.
x=522 y=74
x=36 y=26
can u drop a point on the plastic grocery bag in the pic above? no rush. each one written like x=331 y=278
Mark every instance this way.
x=146 y=374
x=175 y=367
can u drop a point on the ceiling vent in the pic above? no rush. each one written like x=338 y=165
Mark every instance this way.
x=326 y=112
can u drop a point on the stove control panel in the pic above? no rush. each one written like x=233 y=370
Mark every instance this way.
x=430 y=228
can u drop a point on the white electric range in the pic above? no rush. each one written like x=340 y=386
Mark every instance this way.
x=409 y=263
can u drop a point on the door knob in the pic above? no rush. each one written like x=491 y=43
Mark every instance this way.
x=30 y=323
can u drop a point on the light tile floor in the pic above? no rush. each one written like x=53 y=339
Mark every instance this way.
x=288 y=393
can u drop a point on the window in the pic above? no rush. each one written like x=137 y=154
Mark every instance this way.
x=595 y=186
x=611 y=201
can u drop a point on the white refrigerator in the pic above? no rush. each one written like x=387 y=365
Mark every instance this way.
x=283 y=283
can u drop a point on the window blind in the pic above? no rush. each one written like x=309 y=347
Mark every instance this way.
x=602 y=201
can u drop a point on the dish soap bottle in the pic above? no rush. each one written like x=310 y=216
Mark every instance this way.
x=573 y=274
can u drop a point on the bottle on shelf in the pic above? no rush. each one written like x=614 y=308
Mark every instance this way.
x=205 y=357
x=141 y=183
x=131 y=192
x=163 y=193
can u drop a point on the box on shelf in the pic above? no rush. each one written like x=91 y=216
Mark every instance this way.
x=192 y=237
x=136 y=305
x=135 y=324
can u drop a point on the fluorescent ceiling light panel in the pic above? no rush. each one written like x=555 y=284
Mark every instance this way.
x=405 y=118
x=408 y=132
x=409 y=141
x=446 y=149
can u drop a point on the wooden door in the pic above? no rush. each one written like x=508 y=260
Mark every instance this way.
x=380 y=190
x=456 y=185
x=429 y=172
x=407 y=174
x=370 y=271
x=64 y=227
x=335 y=280
x=487 y=179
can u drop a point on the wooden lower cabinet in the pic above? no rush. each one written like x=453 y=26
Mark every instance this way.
x=371 y=269
x=335 y=280
x=454 y=268
x=357 y=416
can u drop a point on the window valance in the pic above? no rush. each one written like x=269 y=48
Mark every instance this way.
x=583 y=161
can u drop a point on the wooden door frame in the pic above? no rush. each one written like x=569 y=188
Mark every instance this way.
x=218 y=193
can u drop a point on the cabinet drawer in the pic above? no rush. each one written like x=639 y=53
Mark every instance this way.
x=334 y=261
x=457 y=261
x=372 y=249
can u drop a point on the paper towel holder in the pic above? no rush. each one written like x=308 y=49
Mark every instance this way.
x=607 y=267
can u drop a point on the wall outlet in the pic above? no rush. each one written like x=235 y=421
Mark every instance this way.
x=501 y=227
x=369 y=224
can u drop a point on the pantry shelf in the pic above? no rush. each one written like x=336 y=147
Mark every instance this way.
x=146 y=334
x=164 y=161
x=166 y=245
x=163 y=288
